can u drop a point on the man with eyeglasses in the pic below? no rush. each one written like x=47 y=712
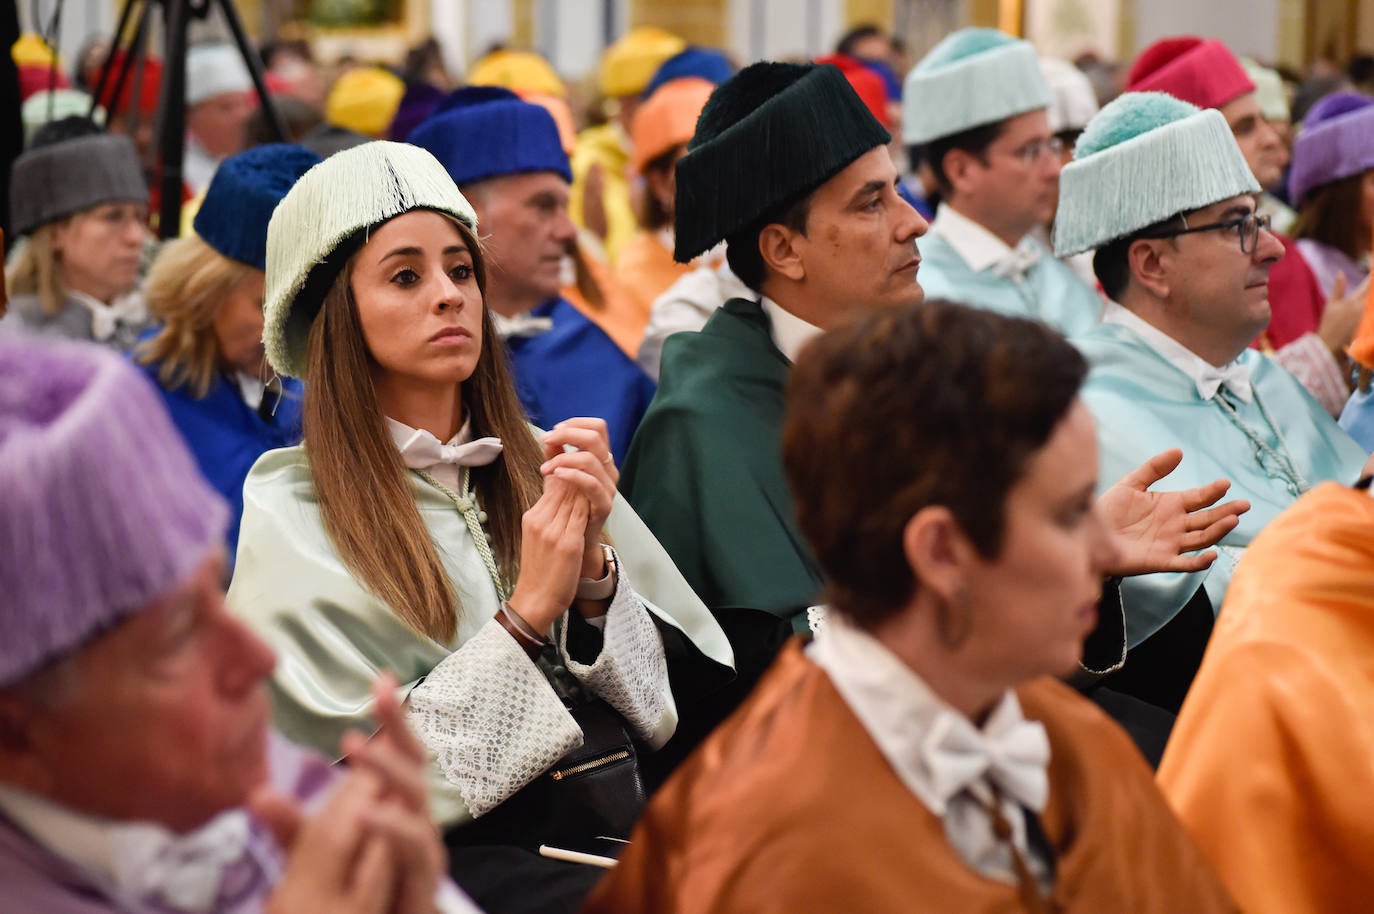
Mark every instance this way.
x=1160 y=189
x=1306 y=333
x=976 y=108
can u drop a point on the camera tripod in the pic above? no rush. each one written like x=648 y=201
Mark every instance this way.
x=171 y=132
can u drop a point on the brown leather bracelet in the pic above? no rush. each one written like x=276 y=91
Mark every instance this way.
x=531 y=647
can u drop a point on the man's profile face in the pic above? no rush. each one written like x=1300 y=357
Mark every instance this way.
x=1264 y=151
x=1225 y=292
x=859 y=249
x=528 y=229
x=163 y=718
x=1013 y=186
x=220 y=123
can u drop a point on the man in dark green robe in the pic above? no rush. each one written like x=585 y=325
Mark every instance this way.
x=791 y=170
x=705 y=469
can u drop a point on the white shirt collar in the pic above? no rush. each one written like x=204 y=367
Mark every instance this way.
x=980 y=248
x=126 y=859
x=81 y=840
x=128 y=308
x=790 y=333
x=1206 y=377
x=251 y=387
x=900 y=711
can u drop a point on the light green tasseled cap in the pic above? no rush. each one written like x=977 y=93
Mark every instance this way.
x=317 y=224
x=971 y=78
x=1145 y=157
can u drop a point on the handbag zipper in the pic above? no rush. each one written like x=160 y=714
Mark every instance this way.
x=618 y=756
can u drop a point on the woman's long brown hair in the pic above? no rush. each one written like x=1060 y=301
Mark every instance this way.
x=1331 y=215
x=364 y=487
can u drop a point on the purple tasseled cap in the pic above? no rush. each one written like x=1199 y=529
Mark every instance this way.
x=102 y=509
x=1336 y=141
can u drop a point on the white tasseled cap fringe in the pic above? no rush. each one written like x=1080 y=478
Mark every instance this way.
x=350 y=191
x=1120 y=189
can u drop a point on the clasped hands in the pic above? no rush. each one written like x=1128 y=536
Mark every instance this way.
x=561 y=533
x=372 y=848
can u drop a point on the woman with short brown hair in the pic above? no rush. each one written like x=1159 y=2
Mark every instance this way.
x=921 y=753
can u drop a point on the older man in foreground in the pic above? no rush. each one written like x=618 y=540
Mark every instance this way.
x=137 y=770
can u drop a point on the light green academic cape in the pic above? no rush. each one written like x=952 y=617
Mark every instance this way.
x=332 y=637
x=1144 y=405
x=1050 y=291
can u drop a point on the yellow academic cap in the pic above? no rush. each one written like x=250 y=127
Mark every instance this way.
x=365 y=100
x=629 y=64
x=518 y=71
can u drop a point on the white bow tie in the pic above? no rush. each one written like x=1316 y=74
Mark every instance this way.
x=1011 y=751
x=1235 y=377
x=1018 y=261
x=182 y=871
x=422 y=450
x=105 y=319
x=521 y=326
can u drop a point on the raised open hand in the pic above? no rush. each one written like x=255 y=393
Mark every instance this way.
x=1158 y=531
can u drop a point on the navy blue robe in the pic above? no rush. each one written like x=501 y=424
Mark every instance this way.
x=574 y=369
x=227 y=436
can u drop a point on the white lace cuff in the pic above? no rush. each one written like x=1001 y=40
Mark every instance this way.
x=491 y=719
x=630 y=673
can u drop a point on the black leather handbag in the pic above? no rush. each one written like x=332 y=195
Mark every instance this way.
x=596 y=790
x=593 y=792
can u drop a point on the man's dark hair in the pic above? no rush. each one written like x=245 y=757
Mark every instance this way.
x=298 y=117
x=742 y=248
x=299 y=48
x=1361 y=70
x=63 y=129
x=857 y=34
x=1112 y=263
x=974 y=141
x=908 y=407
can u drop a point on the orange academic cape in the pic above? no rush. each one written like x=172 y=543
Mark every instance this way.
x=1271 y=763
x=619 y=313
x=645 y=269
x=791 y=807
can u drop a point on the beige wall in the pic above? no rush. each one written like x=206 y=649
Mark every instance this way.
x=879 y=12
x=698 y=21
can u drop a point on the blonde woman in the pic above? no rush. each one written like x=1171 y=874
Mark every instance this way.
x=423 y=528
x=206 y=356
x=82 y=203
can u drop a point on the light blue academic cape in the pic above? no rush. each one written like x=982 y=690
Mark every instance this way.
x=1049 y=291
x=1144 y=405
x=1358 y=418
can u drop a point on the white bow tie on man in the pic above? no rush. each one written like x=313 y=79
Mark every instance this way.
x=1235 y=377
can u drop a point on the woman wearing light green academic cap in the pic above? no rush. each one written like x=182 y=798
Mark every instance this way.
x=423 y=528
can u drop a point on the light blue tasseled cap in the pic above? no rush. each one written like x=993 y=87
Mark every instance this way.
x=971 y=78
x=1145 y=157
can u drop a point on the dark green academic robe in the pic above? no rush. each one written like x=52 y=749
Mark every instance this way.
x=705 y=468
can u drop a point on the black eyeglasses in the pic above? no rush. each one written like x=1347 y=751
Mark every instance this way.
x=1247 y=227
